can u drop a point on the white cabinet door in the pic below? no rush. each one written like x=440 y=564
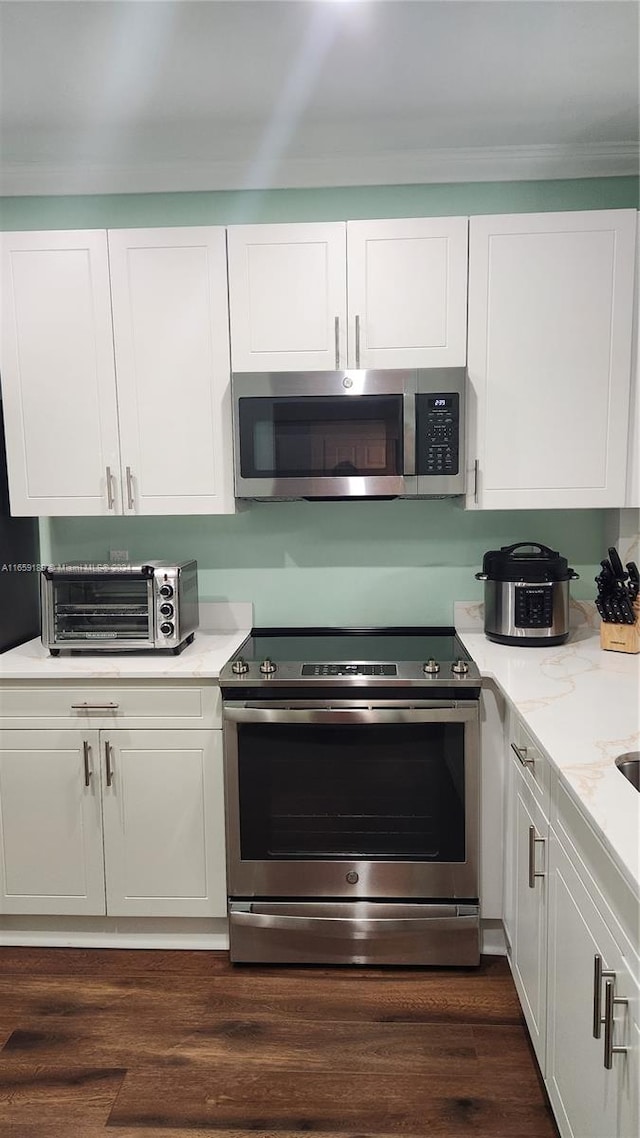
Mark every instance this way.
x=588 y=1100
x=287 y=295
x=407 y=292
x=50 y=823
x=633 y=474
x=530 y=904
x=163 y=810
x=550 y=307
x=170 y=315
x=58 y=381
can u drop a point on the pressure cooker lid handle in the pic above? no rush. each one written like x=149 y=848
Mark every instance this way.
x=529 y=545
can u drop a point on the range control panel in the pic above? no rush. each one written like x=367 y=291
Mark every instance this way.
x=534 y=606
x=437 y=433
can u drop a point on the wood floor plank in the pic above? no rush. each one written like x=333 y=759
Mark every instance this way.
x=34 y=1094
x=252 y=1099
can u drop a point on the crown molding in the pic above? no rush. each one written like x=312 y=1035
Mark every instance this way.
x=470 y=164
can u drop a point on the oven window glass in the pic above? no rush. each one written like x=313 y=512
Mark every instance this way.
x=327 y=436
x=385 y=792
x=101 y=608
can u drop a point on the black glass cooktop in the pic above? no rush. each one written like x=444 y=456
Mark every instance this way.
x=350 y=646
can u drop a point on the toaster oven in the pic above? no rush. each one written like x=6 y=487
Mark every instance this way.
x=89 y=607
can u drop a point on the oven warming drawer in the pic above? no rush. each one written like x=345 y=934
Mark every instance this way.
x=354 y=932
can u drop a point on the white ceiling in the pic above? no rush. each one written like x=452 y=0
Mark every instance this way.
x=143 y=95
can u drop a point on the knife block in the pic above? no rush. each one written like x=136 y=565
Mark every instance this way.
x=621 y=637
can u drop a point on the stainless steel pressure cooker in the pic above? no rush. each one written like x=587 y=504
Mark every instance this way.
x=526 y=594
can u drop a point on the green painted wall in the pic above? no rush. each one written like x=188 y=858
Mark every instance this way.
x=336 y=204
x=345 y=562
x=351 y=563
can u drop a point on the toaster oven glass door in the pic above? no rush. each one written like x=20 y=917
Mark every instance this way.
x=103 y=608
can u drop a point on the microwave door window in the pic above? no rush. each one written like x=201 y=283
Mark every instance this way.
x=321 y=437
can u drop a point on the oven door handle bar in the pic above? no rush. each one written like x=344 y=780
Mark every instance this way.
x=360 y=927
x=268 y=713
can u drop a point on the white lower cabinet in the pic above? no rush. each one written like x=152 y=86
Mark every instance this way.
x=529 y=931
x=127 y=823
x=559 y=930
x=51 y=858
x=590 y=1099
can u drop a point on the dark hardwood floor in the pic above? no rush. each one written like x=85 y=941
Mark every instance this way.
x=135 y=1044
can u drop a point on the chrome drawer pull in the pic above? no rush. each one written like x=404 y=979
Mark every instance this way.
x=336 y=332
x=533 y=873
x=108 y=762
x=521 y=752
x=130 y=499
x=110 y=494
x=609 y=1002
x=357 y=341
x=94 y=706
x=86 y=752
x=598 y=973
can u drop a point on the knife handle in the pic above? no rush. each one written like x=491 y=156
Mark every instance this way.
x=616 y=564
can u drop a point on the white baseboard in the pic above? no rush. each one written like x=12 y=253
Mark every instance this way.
x=105 y=932
x=492 y=939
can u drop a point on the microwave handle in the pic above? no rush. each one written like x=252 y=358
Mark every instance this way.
x=410 y=442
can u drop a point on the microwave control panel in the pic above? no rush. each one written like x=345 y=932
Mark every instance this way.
x=437 y=433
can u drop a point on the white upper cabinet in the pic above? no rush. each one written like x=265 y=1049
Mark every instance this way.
x=287 y=295
x=158 y=297
x=550 y=314
x=170 y=319
x=407 y=292
x=370 y=294
x=58 y=381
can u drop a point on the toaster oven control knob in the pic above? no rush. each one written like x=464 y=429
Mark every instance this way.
x=431 y=667
x=240 y=666
x=166 y=609
x=166 y=628
x=166 y=590
x=460 y=668
x=267 y=667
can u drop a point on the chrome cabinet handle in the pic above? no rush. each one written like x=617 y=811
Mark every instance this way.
x=108 y=762
x=357 y=341
x=336 y=332
x=610 y=1000
x=94 y=706
x=476 y=473
x=86 y=753
x=598 y=973
x=521 y=753
x=130 y=499
x=110 y=495
x=533 y=873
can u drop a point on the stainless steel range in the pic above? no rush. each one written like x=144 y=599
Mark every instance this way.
x=352 y=783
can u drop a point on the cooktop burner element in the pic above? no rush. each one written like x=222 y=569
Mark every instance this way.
x=314 y=658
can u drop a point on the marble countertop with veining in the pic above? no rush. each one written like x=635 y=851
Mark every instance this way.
x=582 y=705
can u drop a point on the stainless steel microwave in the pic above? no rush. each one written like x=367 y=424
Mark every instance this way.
x=349 y=434
x=91 y=607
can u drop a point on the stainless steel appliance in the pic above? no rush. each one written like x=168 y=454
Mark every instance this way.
x=89 y=607
x=351 y=783
x=19 y=569
x=349 y=434
x=526 y=595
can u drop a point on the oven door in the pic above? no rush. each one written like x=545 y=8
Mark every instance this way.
x=337 y=435
x=361 y=802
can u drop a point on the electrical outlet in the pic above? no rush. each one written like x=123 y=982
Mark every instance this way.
x=119 y=556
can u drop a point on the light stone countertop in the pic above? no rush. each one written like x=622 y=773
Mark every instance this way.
x=582 y=705
x=203 y=659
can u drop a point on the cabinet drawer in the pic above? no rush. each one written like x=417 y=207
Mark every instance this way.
x=532 y=762
x=136 y=704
